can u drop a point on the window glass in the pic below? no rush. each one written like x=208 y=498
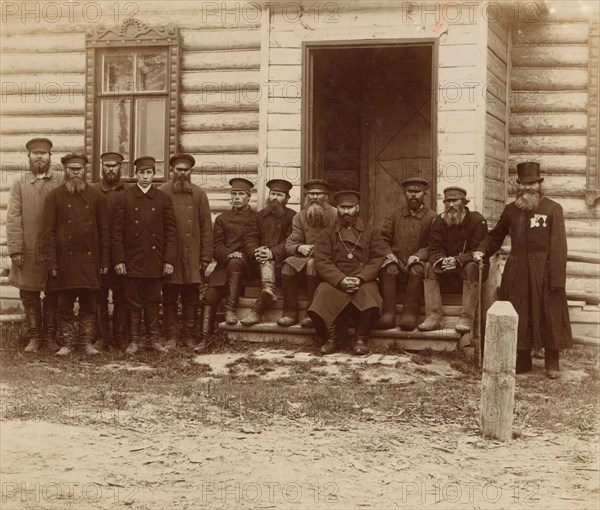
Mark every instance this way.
x=117 y=73
x=151 y=72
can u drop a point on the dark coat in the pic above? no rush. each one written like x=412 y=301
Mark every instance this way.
x=76 y=238
x=537 y=263
x=144 y=234
x=368 y=250
x=273 y=232
x=230 y=232
x=194 y=234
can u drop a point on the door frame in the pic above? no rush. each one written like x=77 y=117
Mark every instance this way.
x=307 y=149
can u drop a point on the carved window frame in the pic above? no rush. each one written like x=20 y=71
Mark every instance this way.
x=132 y=34
x=592 y=192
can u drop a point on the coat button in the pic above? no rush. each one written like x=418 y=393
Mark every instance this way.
x=135 y=208
x=154 y=208
x=87 y=206
x=89 y=252
x=154 y=247
x=69 y=205
x=68 y=221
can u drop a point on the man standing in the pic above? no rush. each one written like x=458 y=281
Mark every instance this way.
x=77 y=249
x=348 y=256
x=454 y=235
x=274 y=224
x=111 y=186
x=307 y=225
x=24 y=240
x=406 y=234
x=535 y=273
x=144 y=245
x=194 y=251
x=234 y=259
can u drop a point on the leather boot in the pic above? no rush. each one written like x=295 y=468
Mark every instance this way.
x=470 y=296
x=387 y=287
x=33 y=321
x=333 y=341
x=312 y=282
x=102 y=329
x=189 y=315
x=232 y=294
x=412 y=303
x=66 y=331
x=152 y=342
x=255 y=315
x=360 y=346
x=120 y=328
x=134 y=320
x=50 y=328
x=433 y=306
x=523 y=363
x=208 y=317
x=87 y=328
x=267 y=295
x=289 y=317
x=551 y=361
x=170 y=326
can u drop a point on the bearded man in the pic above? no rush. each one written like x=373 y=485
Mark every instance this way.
x=307 y=225
x=23 y=236
x=194 y=251
x=454 y=235
x=77 y=249
x=274 y=225
x=111 y=186
x=348 y=256
x=534 y=276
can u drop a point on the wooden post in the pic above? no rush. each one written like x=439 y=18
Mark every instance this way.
x=498 y=379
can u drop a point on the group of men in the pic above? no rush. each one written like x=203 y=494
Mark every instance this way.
x=147 y=245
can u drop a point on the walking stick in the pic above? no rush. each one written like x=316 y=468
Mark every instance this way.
x=478 y=342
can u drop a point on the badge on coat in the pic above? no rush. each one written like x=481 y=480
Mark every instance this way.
x=538 y=220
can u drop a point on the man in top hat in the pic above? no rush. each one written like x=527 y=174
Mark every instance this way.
x=348 y=256
x=534 y=276
x=274 y=225
x=194 y=251
x=307 y=225
x=110 y=185
x=144 y=246
x=77 y=249
x=454 y=236
x=24 y=222
x=406 y=234
x=234 y=258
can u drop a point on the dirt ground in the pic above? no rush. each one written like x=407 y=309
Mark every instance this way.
x=207 y=452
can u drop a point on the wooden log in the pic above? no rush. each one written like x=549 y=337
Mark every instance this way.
x=554 y=144
x=24 y=63
x=218 y=81
x=218 y=101
x=571 y=55
x=550 y=33
x=498 y=378
x=226 y=121
x=43 y=103
x=42 y=43
x=47 y=85
x=203 y=40
x=537 y=79
x=533 y=100
x=552 y=163
x=548 y=123
x=71 y=125
x=219 y=142
x=585 y=340
x=205 y=60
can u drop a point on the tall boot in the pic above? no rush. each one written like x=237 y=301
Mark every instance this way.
x=208 y=317
x=412 y=303
x=523 y=363
x=312 y=282
x=103 y=329
x=50 y=328
x=33 y=321
x=66 y=331
x=267 y=280
x=433 y=306
x=87 y=327
x=470 y=297
x=232 y=294
x=289 y=317
x=119 y=327
x=134 y=323
x=551 y=361
x=387 y=287
x=333 y=340
x=189 y=316
x=152 y=342
x=170 y=325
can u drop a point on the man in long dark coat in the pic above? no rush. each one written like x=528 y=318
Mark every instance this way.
x=348 y=256
x=274 y=225
x=77 y=249
x=534 y=276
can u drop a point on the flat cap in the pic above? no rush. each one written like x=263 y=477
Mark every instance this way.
x=527 y=172
x=415 y=183
x=347 y=197
x=188 y=159
x=280 y=185
x=454 y=192
x=111 y=157
x=39 y=144
x=144 y=162
x=316 y=184
x=74 y=158
x=241 y=184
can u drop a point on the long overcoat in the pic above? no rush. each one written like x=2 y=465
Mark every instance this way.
x=194 y=234
x=273 y=231
x=537 y=263
x=368 y=250
x=144 y=234
x=24 y=221
x=76 y=238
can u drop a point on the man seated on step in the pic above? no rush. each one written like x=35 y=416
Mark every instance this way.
x=455 y=235
x=406 y=234
x=348 y=256
x=234 y=260
x=274 y=225
x=307 y=225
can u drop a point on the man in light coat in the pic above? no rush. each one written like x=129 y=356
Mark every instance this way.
x=24 y=241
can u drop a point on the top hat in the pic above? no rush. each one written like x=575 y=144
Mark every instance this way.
x=347 y=197
x=38 y=144
x=454 y=192
x=415 y=184
x=74 y=158
x=188 y=159
x=528 y=171
x=241 y=184
x=144 y=162
x=317 y=184
x=111 y=157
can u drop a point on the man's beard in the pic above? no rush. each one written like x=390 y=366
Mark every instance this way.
x=347 y=220
x=275 y=207
x=528 y=200
x=111 y=178
x=315 y=211
x=75 y=184
x=414 y=204
x=39 y=167
x=454 y=217
x=182 y=184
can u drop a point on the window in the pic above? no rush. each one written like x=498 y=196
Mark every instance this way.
x=134 y=108
x=593 y=168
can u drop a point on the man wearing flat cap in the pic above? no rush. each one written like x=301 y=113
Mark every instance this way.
x=535 y=273
x=406 y=234
x=110 y=186
x=24 y=222
x=234 y=258
x=194 y=251
x=77 y=248
x=348 y=256
x=274 y=225
x=144 y=247
x=454 y=236
x=307 y=225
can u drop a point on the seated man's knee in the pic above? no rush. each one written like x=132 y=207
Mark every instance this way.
x=287 y=270
x=235 y=265
x=390 y=269
x=417 y=270
x=428 y=272
x=469 y=272
x=310 y=268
